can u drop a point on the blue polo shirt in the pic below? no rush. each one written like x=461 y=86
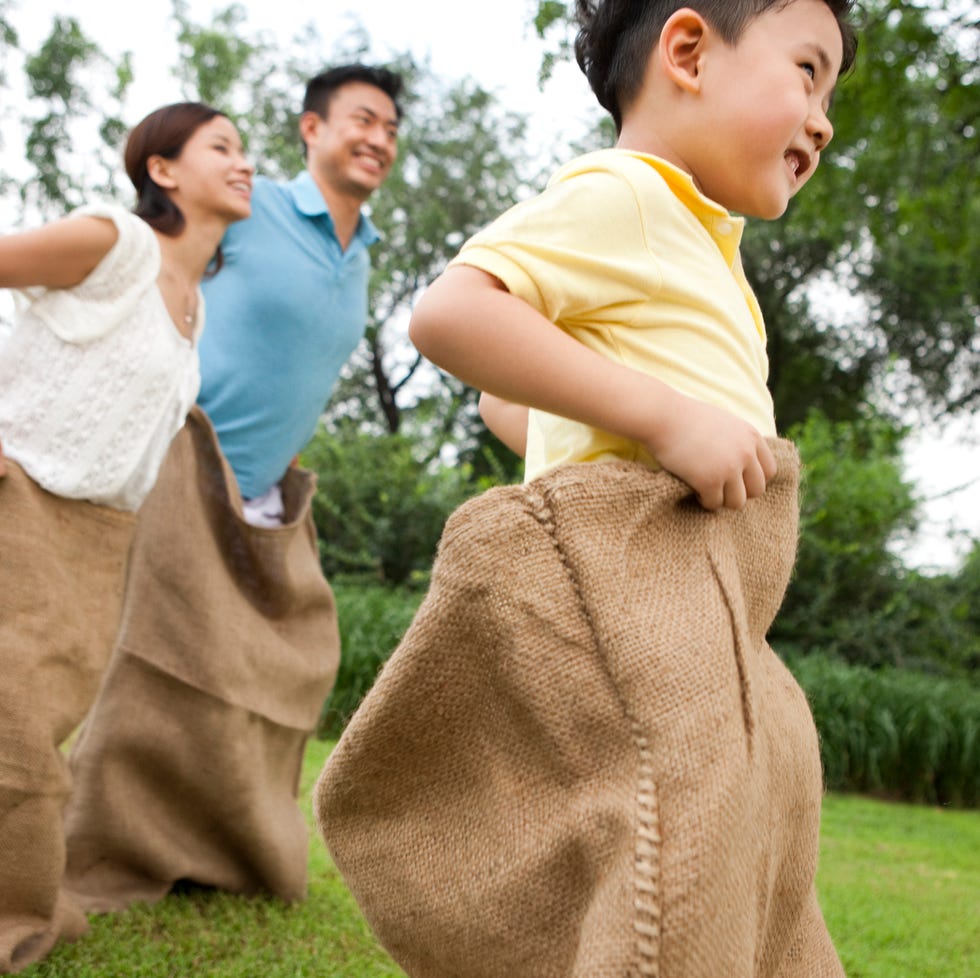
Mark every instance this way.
x=283 y=316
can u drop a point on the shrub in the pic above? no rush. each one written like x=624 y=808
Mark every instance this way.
x=853 y=504
x=373 y=619
x=377 y=508
x=894 y=732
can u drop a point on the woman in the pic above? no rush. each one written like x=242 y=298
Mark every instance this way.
x=96 y=378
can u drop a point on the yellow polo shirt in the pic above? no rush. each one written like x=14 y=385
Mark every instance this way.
x=622 y=252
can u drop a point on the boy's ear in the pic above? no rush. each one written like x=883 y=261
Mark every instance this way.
x=682 y=47
x=160 y=171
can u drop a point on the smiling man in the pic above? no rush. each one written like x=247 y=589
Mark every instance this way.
x=290 y=305
x=228 y=643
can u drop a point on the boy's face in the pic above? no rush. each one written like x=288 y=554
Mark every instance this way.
x=765 y=101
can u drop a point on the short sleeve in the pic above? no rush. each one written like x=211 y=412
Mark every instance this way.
x=560 y=251
x=107 y=296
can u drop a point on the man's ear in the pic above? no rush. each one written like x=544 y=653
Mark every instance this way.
x=682 y=47
x=160 y=171
x=309 y=122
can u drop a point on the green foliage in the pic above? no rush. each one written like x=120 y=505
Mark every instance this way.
x=895 y=732
x=854 y=504
x=60 y=75
x=890 y=217
x=373 y=619
x=850 y=596
x=377 y=508
x=214 y=57
x=8 y=37
x=869 y=283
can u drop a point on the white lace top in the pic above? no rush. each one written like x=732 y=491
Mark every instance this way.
x=96 y=380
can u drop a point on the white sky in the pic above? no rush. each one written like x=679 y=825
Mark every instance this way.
x=494 y=44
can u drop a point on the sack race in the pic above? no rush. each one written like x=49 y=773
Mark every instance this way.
x=62 y=564
x=583 y=760
x=188 y=766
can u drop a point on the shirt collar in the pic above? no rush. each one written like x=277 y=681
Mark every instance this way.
x=725 y=228
x=309 y=202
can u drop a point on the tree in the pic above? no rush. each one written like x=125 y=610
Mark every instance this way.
x=459 y=166
x=847 y=579
x=71 y=78
x=869 y=283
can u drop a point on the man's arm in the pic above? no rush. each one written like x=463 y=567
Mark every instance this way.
x=470 y=325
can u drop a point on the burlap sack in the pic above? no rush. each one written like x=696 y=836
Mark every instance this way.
x=188 y=766
x=62 y=563
x=583 y=760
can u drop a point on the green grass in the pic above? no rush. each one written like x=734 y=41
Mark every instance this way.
x=900 y=888
x=204 y=934
x=899 y=884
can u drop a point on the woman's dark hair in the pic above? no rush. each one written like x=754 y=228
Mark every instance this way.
x=162 y=133
x=616 y=37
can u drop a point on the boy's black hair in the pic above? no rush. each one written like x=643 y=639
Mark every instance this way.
x=321 y=88
x=616 y=37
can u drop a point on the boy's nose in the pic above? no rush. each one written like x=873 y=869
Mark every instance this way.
x=820 y=129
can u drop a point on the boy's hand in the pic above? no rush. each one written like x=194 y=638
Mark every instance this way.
x=721 y=457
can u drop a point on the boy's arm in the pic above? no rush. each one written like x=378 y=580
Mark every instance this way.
x=470 y=325
x=508 y=421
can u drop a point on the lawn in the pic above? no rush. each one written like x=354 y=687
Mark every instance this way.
x=900 y=887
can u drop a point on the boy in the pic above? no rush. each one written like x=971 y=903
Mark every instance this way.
x=584 y=760
x=704 y=125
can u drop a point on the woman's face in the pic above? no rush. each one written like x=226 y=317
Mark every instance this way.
x=212 y=176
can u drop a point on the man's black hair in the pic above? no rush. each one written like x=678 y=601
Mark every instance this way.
x=321 y=88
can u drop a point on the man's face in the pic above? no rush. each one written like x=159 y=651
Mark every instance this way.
x=354 y=147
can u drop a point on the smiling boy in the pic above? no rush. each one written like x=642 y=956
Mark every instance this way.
x=660 y=355
x=584 y=760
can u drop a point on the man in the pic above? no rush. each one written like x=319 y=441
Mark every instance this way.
x=189 y=762
x=290 y=305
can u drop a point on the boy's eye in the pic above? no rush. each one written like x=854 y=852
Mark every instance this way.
x=809 y=69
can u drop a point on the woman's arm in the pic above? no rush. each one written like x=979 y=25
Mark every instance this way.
x=506 y=420
x=56 y=256
x=470 y=325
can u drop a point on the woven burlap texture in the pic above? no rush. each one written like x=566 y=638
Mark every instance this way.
x=583 y=760
x=62 y=565
x=188 y=766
